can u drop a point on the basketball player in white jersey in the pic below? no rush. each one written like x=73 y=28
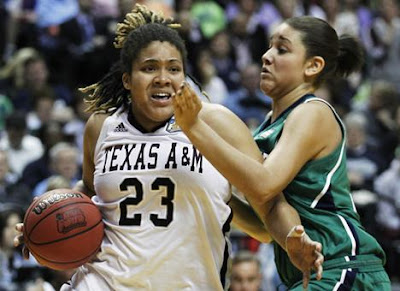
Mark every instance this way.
x=165 y=207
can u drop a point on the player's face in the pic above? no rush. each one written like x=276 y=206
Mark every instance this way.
x=156 y=75
x=283 y=63
x=246 y=277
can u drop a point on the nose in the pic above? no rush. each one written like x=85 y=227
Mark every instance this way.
x=267 y=57
x=162 y=79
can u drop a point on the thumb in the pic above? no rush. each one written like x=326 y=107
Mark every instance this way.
x=296 y=231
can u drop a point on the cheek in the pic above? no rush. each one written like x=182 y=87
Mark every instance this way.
x=177 y=80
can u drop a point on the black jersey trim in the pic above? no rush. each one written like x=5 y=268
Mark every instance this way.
x=132 y=120
x=224 y=269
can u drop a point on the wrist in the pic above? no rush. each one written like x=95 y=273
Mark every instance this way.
x=193 y=128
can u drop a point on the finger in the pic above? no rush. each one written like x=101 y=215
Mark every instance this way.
x=189 y=95
x=25 y=253
x=318 y=266
x=319 y=272
x=306 y=279
x=318 y=247
x=180 y=100
x=19 y=227
x=18 y=240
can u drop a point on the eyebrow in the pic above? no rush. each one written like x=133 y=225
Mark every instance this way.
x=158 y=60
x=281 y=38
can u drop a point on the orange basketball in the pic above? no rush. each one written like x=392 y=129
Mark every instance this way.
x=63 y=229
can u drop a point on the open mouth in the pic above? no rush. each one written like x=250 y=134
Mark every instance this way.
x=161 y=96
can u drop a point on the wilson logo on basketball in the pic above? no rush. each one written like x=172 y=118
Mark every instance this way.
x=53 y=199
x=70 y=219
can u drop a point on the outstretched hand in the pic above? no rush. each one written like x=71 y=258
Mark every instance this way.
x=304 y=253
x=187 y=107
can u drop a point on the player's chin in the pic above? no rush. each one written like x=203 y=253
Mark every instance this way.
x=162 y=114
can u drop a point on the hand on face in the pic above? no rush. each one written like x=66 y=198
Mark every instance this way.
x=304 y=253
x=187 y=106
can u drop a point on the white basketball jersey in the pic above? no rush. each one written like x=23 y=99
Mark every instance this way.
x=165 y=211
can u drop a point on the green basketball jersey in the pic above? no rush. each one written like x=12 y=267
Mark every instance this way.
x=320 y=193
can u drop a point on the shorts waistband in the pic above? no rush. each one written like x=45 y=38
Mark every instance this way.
x=366 y=263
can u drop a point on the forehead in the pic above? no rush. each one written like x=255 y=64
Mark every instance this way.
x=286 y=33
x=160 y=51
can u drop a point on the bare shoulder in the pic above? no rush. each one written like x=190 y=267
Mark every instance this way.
x=315 y=114
x=95 y=123
x=316 y=123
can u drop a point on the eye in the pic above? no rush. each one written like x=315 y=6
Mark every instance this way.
x=281 y=50
x=175 y=69
x=149 y=68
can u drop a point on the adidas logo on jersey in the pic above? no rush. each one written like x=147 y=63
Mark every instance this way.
x=120 y=128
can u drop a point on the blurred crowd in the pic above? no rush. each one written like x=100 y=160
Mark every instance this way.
x=49 y=48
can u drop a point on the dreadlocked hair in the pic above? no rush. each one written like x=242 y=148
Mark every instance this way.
x=139 y=28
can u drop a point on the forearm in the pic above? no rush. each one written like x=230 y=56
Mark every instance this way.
x=247 y=220
x=280 y=217
x=249 y=176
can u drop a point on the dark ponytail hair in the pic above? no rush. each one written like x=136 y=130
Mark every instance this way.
x=342 y=55
x=350 y=57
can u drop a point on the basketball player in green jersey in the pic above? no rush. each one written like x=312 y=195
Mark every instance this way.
x=304 y=141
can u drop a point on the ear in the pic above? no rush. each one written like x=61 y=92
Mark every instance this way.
x=314 y=66
x=126 y=80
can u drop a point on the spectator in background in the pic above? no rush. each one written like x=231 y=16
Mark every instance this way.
x=209 y=15
x=363 y=161
x=385 y=32
x=6 y=108
x=270 y=276
x=248 y=102
x=55 y=36
x=246 y=272
x=355 y=19
x=64 y=161
x=331 y=8
x=295 y=8
x=224 y=59
x=11 y=74
x=93 y=52
x=262 y=13
x=189 y=31
x=20 y=21
x=249 y=40
x=26 y=76
x=12 y=190
x=50 y=134
x=387 y=187
x=43 y=107
x=15 y=272
x=380 y=110
x=339 y=93
x=74 y=129
x=74 y=40
x=4 y=18
x=206 y=73
x=363 y=165
x=21 y=146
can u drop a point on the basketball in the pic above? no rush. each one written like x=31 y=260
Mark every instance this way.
x=63 y=229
